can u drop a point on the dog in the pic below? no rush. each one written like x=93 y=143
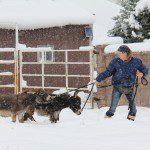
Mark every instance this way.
x=56 y=104
x=12 y=105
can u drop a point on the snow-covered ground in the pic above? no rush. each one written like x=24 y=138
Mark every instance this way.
x=89 y=131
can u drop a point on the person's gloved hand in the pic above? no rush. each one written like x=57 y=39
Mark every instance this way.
x=139 y=74
x=97 y=83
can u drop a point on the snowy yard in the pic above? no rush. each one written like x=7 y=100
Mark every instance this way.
x=90 y=131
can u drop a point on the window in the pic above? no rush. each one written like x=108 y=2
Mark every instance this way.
x=46 y=56
x=88 y=32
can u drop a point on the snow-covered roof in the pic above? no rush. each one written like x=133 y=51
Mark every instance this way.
x=33 y=14
x=135 y=47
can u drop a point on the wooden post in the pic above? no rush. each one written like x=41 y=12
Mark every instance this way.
x=43 y=60
x=91 y=75
x=66 y=66
x=16 y=60
x=20 y=69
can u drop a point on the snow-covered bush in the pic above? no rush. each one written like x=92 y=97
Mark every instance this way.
x=122 y=26
x=140 y=21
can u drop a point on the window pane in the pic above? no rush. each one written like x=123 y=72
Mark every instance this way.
x=49 y=56
x=39 y=56
x=88 y=32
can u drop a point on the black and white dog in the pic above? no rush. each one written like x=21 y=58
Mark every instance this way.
x=56 y=104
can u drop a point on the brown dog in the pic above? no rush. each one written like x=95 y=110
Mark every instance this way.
x=16 y=105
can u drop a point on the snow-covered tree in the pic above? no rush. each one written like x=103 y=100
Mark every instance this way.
x=122 y=27
x=140 y=21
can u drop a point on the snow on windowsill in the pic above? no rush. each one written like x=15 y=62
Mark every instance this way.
x=6 y=73
x=86 y=48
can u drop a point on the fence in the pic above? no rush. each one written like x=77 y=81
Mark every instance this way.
x=66 y=61
x=49 y=69
x=8 y=57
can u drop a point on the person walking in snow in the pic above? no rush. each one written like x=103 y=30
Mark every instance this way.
x=124 y=69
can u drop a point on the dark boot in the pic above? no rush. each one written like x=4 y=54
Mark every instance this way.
x=109 y=114
x=131 y=116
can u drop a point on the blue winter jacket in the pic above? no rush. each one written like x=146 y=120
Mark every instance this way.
x=123 y=73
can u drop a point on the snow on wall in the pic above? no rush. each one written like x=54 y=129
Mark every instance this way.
x=107 y=40
x=33 y=14
x=135 y=47
x=23 y=82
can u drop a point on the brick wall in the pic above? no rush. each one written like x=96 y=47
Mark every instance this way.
x=67 y=37
x=143 y=94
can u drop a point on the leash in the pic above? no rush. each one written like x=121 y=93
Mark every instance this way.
x=136 y=88
x=104 y=86
x=144 y=82
x=99 y=87
x=76 y=89
x=87 y=98
x=80 y=87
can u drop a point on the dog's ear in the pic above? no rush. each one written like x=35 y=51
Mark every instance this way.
x=76 y=93
x=53 y=96
x=50 y=97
